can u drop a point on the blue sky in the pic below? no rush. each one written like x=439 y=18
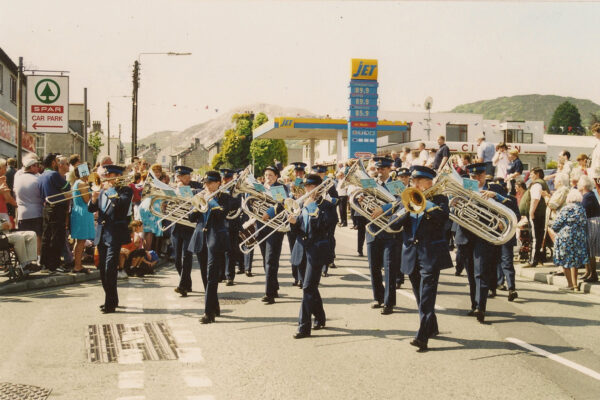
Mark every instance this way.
x=298 y=54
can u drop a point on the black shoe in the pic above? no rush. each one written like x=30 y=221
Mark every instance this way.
x=182 y=292
x=492 y=294
x=457 y=273
x=591 y=279
x=398 y=285
x=108 y=310
x=387 y=310
x=300 y=284
x=229 y=282
x=295 y=283
x=503 y=287
x=417 y=343
x=480 y=315
x=318 y=325
x=218 y=312
x=471 y=313
x=360 y=254
x=332 y=265
x=239 y=272
x=375 y=304
x=434 y=334
x=301 y=335
x=207 y=319
x=512 y=294
x=268 y=299
x=249 y=274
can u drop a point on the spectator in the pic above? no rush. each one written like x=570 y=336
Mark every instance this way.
x=397 y=159
x=442 y=155
x=520 y=190
x=52 y=182
x=136 y=186
x=149 y=220
x=133 y=253
x=570 y=237
x=461 y=167
x=343 y=199
x=533 y=205
x=582 y=161
x=74 y=161
x=576 y=174
x=592 y=212
x=82 y=221
x=595 y=167
x=430 y=158
x=558 y=199
x=29 y=200
x=500 y=160
x=6 y=197
x=10 y=181
x=563 y=165
x=514 y=171
x=23 y=242
x=423 y=155
x=405 y=157
x=485 y=154
x=100 y=165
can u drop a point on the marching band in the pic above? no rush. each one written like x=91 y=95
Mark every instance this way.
x=405 y=217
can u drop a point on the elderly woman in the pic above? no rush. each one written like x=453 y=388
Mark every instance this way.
x=592 y=211
x=569 y=232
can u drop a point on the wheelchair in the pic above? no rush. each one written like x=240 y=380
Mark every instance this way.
x=8 y=260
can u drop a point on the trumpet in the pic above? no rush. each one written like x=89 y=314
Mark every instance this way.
x=412 y=201
x=95 y=183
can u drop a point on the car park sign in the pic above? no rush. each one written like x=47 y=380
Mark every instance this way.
x=47 y=104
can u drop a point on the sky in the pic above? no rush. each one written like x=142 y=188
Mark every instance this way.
x=297 y=54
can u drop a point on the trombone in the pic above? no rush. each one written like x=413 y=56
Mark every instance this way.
x=94 y=183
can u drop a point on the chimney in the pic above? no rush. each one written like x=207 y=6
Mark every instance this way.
x=96 y=126
x=196 y=142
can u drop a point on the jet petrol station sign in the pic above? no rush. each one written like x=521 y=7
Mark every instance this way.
x=362 y=121
x=47 y=104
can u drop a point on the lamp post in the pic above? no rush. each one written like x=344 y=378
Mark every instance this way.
x=134 y=97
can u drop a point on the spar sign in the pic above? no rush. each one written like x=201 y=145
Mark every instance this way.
x=48 y=104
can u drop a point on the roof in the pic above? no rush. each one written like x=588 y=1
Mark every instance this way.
x=570 y=140
x=5 y=59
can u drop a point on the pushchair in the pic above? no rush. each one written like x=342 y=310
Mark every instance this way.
x=523 y=242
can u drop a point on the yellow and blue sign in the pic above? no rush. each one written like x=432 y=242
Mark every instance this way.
x=364 y=69
x=362 y=121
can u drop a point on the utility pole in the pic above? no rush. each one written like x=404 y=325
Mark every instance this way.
x=85 y=126
x=119 y=161
x=108 y=124
x=20 y=114
x=134 y=100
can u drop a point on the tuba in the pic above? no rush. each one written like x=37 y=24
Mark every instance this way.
x=366 y=200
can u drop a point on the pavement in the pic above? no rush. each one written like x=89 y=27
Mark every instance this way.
x=544 y=345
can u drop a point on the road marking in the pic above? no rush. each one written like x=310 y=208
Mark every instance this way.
x=131 y=380
x=196 y=379
x=554 y=357
x=134 y=308
x=130 y=356
x=400 y=291
x=132 y=398
x=184 y=337
x=203 y=397
x=190 y=355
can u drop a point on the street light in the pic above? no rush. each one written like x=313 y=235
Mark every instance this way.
x=134 y=100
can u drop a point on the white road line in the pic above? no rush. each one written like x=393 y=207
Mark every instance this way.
x=132 y=398
x=184 y=337
x=196 y=379
x=130 y=356
x=203 y=397
x=402 y=292
x=554 y=357
x=131 y=380
x=190 y=355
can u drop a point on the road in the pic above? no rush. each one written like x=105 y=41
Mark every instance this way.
x=250 y=354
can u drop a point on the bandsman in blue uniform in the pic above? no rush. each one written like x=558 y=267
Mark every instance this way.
x=403 y=175
x=245 y=260
x=181 y=235
x=299 y=172
x=382 y=251
x=310 y=252
x=271 y=247
x=113 y=204
x=425 y=253
x=332 y=197
x=232 y=255
x=210 y=241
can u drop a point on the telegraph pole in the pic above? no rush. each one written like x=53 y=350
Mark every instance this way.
x=134 y=100
x=119 y=161
x=85 y=126
x=108 y=124
x=20 y=113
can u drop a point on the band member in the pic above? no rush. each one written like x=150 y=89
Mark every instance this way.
x=299 y=172
x=271 y=247
x=382 y=251
x=332 y=197
x=233 y=227
x=181 y=235
x=310 y=252
x=113 y=204
x=482 y=275
x=210 y=241
x=402 y=175
x=425 y=253
x=245 y=260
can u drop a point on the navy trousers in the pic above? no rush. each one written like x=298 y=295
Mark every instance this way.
x=291 y=236
x=211 y=265
x=247 y=266
x=332 y=243
x=382 y=254
x=271 y=252
x=484 y=267
x=312 y=303
x=362 y=231
x=505 y=267
x=183 y=259
x=424 y=284
x=108 y=257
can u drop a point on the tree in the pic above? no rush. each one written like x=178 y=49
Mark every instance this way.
x=264 y=151
x=236 y=143
x=566 y=120
x=95 y=142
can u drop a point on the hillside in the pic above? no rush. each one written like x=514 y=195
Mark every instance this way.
x=532 y=107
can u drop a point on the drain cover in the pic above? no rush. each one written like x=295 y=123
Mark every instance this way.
x=150 y=341
x=15 y=391
x=232 y=300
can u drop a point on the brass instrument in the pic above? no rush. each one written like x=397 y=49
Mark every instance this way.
x=95 y=184
x=412 y=200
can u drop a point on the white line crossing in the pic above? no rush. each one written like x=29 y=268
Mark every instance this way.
x=131 y=380
x=196 y=379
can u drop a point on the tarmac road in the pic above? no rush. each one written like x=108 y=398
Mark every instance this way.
x=250 y=354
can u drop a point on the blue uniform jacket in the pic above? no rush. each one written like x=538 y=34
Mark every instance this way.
x=383 y=235
x=211 y=226
x=182 y=230
x=427 y=244
x=312 y=235
x=273 y=211
x=113 y=219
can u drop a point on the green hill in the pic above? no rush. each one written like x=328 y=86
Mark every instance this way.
x=532 y=107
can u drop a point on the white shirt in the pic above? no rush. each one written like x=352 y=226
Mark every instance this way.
x=535 y=191
x=423 y=156
x=595 y=167
x=501 y=162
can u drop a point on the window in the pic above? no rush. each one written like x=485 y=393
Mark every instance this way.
x=456 y=133
x=517 y=136
x=13 y=89
x=400 y=137
x=1 y=78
